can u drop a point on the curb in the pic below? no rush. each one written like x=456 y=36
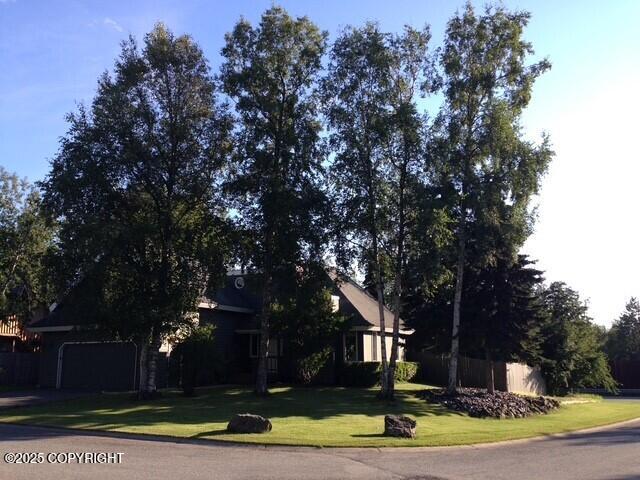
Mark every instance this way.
x=285 y=447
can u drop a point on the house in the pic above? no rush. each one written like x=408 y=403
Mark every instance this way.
x=14 y=337
x=80 y=355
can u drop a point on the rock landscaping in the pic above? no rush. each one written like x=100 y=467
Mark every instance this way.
x=249 y=423
x=399 y=426
x=478 y=402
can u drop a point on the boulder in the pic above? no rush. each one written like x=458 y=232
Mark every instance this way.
x=399 y=426
x=249 y=423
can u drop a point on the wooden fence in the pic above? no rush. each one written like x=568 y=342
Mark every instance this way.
x=18 y=368
x=508 y=377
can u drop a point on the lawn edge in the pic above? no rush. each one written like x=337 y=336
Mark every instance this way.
x=287 y=446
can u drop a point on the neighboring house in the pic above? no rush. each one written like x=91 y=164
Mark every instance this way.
x=78 y=355
x=14 y=337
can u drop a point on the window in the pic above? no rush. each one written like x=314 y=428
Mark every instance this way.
x=335 y=303
x=374 y=346
x=351 y=347
x=254 y=345
x=275 y=346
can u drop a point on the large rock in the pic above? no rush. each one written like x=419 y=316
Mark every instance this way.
x=249 y=423
x=399 y=426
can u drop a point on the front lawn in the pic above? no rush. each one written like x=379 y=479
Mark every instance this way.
x=309 y=416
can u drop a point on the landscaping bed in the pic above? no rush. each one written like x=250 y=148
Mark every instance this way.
x=479 y=403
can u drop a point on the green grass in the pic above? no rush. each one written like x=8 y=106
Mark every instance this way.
x=309 y=416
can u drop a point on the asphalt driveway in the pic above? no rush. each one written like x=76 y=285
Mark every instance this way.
x=22 y=398
x=611 y=454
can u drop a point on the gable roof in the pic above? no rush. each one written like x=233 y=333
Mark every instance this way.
x=362 y=303
x=355 y=302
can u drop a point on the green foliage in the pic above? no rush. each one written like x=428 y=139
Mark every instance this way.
x=308 y=368
x=274 y=184
x=275 y=178
x=304 y=317
x=572 y=349
x=198 y=358
x=135 y=189
x=367 y=374
x=623 y=340
x=26 y=240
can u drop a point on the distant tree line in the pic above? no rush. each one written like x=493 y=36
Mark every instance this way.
x=298 y=152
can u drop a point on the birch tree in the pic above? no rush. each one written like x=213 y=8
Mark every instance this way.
x=135 y=188
x=269 y=72
x=489 y=172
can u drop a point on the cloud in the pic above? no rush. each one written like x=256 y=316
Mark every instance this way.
x=109 y=22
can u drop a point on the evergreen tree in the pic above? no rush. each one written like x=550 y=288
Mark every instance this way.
x=572 y=349
x=623 y=340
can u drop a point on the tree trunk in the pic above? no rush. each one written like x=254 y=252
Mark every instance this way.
x=263 y=351
x=397 y=284
x=143 y=347
x=384 y=375
x=148 y=366
x=455 y=329
x=152 y=360
x=395 y=338
x=488 y=371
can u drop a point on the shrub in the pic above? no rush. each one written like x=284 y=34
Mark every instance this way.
x=367 y=374
x=406 y=371
x=307 y=368
x=198 y=360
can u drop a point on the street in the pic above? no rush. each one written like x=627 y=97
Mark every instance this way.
x=610 y=453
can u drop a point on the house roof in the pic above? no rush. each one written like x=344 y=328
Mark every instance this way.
x=361 y=302
x=241 y=294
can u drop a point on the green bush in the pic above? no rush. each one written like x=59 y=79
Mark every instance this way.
x=198 y=359
x=308 y=368
x=406 y=371
x=367 y=374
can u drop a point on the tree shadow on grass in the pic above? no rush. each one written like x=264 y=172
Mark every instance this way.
x=218 y=405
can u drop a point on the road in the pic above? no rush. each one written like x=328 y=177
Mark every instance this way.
x=611 y=454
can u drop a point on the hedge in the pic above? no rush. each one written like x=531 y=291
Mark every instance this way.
x=367 y=374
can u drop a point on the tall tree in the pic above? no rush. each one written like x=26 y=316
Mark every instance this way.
x=572 y=349
x=26 y=239
x=269 y=73
x=488 y=171
x=623 y=340
x=370 y=94
x=135 y=189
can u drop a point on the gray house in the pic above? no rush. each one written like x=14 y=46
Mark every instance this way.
x=79 y=355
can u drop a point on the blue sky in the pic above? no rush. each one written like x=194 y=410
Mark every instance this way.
x=51 y=54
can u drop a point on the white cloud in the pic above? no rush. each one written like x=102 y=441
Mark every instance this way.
x=109 y=22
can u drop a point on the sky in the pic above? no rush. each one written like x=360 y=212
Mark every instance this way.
x=587 y=233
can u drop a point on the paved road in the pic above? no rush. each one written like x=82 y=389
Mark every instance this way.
x=611 y=454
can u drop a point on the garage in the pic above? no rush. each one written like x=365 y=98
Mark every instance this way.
x=100 y=366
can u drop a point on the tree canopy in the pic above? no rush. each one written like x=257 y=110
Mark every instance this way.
x=269 y=71
x=136 y=190
x=26 y=240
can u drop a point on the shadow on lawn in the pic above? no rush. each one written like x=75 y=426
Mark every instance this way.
x=218 y=405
